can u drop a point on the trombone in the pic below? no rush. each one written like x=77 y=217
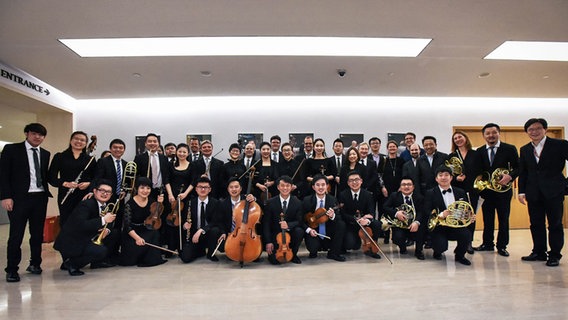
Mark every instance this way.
x=112 y=208
x=128 y=178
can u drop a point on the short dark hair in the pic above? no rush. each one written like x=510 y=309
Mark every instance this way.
x=286 y=144
x=116 y=141
x=151 y=135
x=532 y=121
x=375 y=138
x=410 y=134
x=429 y=138
x=231 y=179
x=264 y=143
x=338 y=140
x=407 y=178
x=286 y=179
x=142 y=181
x=98 y=182
x=36 y=127
x=277 y=137
x=443 y=168
x=203 y=180
x=491 y=125
x=318 y=177
x=354 y=172
x=170 y=144
x=234 y=146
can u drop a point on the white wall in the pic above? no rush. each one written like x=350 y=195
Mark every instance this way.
x=326 y=117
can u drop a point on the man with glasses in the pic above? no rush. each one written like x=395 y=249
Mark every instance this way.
x=86 y=223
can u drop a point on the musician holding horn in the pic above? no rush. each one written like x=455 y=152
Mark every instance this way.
x=136 y=234
x=75 y=241
x=405 y=210
x=496 y=156
x=437 y=200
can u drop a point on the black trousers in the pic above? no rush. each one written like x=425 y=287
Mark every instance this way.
x=399 y=237
x=207 y=241
x=335 y=230
x=551 y=210
x=441 y=235
x=31 y=207
x=296 y=236
x=91 y=253
x=352 y=241
x=500 y=202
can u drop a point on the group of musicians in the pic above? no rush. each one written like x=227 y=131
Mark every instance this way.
x=183 y=201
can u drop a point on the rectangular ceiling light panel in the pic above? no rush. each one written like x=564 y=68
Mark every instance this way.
x=530 y=50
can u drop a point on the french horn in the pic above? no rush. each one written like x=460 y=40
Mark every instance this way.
x=461 y=215
x=408 y=212
x=491 y=181
x=456 y=165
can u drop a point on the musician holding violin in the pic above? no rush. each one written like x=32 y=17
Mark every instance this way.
x=140 y=227
x=267 y=173
x=358 y=213
x=328 y=231
x=282 y=224
x=320 y=164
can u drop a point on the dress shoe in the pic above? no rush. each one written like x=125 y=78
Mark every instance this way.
x=74 y=271
x=503 y=252
x=419 y=255
x=372 y=255
x=484 y=247
x=63 y=266
x=313 y=255
x=535 y=257
x=470 y=249
x=296 y=260
x=409 y=243
x=336 y=257
x=213 y=258
x=428 y=245
x=102 y=264
x=386 y=241
x=553 y=262
x=437 y=256
x=464 y=261
x=403 y=250
x=34 y=269
x=12 y=276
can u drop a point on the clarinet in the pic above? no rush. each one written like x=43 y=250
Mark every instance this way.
x=188 y=220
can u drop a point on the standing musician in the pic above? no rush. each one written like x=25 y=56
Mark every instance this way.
x=409 y=140
x=542 y=185
x=153 y=165
x=417 y=228
x=250 y=156
x=73 y=169
x=291 y=208
x=410 y=168
x=358 y=211
x=234 y=167
x=205 y=228
x=267 y=173
x=437 y=200
x=275 y=153
x=319 y=163
x=209 y=167
x=308 y=150
x=328 y=235
x=428 y=163
x=351 y=163
x=288 y=166
x=179 y=186
x=370 y=178
x=170 y=152
x=75 y=241
x=338 y=160
x=24 y=193
x=135 y=233
x=496 y=154
x=462 y=150
x=194 y=147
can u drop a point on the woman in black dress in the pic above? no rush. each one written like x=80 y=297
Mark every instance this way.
x=135 y=234
x=64 y=170
x=352 y=164
x=393 y=168
x=320 y=164
x=266 y=175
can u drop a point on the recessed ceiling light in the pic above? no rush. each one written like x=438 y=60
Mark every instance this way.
x=531 y=50
x=205 y=73
x=546 y=76
x=136 y=75
x=484 y=75
x=247 y=46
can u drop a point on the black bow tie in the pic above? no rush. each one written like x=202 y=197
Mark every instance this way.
x=449 y=191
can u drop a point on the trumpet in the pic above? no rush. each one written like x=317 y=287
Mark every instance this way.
x=408 y=212
x=461 y=215
x=491 y=181
x=128 y=178
x=112 y=208
x=456 y=165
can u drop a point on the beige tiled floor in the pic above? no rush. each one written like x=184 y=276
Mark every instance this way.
x=494 y=287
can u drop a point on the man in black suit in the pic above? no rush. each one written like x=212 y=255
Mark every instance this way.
x=541 y=184
x=327 y=235
x=250 y=155
x=409 y=140
x=75 y=240
x=283 y=212
x=410 y=167
x=415 y=229
x=358 y=210
x=194 y=147
x=308 y=151
x=338 y=160
x=496 y=154
x=288 y=166
x=206 y=227
x=153 y=165
x=437 y=200
x=428 y=162
x=275 y=154
x=24 y=193
x=209 y=167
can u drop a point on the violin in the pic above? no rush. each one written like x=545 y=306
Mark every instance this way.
x=283 y=253
x=244 y=244
x=313 y=219
x=368 y=245
x=154 y=220
x=172 y=219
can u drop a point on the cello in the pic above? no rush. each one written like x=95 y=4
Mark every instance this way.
x=243 y=244
x=283 y=253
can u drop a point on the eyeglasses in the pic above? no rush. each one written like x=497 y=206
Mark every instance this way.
x=406 y=184
x=104 y=191
x=203 y=187
x=353 y=180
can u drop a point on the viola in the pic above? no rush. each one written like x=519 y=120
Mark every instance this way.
x=313 y=219
x=366 y=235
x=283 y=253
x=173 y=218
x=243 y=244
x=154 y=220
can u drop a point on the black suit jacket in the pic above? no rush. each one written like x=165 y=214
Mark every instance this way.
x=215 y=172
x=142 y=167
x=371 y=178
x=80 y=228
x=225 y=217
x=106 y=169
x=396 y=199
x=411 y=171
x=546 y=175
x=365 y=205
x=271 y=218
x=427 y=173
x=506 y=157
x=309 y=204
x=213 y=214
x=15 y=171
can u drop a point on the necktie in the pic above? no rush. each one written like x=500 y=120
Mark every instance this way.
x=155 y=170
x=408 y=201
x=321 y=225
x=202 y=221
x=37 y=169
x=248 y=163
x=118 y=177
x=284 y=206
x=338 y=164
x=355 y=198
x=491 y=155
x=233 y=223
x=447 y=191
x=363 y=163
x=274 y=156
x=195 y=156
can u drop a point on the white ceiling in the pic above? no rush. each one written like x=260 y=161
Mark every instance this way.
x=463 y=32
